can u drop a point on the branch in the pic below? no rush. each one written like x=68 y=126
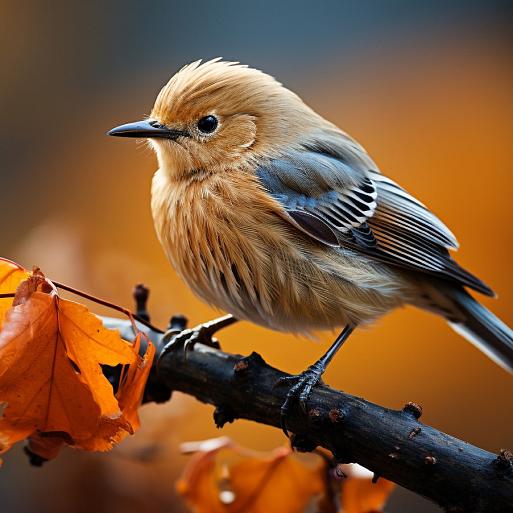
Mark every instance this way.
x=393 y=444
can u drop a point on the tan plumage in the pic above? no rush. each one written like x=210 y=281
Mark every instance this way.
x=228 y=242
x=279 y=217
x=220 y=218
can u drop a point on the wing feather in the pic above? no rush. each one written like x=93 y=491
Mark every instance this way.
x=349 y=206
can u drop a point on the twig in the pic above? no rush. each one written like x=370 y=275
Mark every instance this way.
x=108 y=304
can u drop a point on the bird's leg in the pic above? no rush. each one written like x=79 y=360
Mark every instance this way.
x=203 y=333
x=303 y=383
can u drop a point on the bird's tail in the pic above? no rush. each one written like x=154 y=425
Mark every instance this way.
x=482 y=328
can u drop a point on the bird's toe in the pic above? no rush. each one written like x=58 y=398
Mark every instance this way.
x=299 y=392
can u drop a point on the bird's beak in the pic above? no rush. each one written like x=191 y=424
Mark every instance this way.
x=146 y=129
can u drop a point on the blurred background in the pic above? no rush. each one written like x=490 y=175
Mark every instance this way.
x=426 y=87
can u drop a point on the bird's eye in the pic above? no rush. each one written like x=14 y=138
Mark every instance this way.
x=207 y=124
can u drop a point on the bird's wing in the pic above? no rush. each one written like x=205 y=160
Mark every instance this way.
x=362 y=210
x=321 y=194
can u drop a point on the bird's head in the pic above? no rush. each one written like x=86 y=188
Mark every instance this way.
x=217 y=114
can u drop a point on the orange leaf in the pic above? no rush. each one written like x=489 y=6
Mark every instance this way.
x=199 y=484
x=88 y=344
x=258 y=483
x=11 y=275
x=108 y=433
x=129 y=396
x=279 y=481
x=131 y=390
x=50 y=375
x=361 y=495
x=9 y=436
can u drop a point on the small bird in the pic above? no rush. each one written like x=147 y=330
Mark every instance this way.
x=275 y=215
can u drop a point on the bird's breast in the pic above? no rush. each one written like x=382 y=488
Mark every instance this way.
x=227 y=239
x=220 y=235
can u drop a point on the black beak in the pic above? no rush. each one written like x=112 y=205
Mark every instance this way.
x=145 y=130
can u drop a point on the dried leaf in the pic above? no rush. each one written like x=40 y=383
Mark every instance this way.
x=52 y=388
x=129 y=396
x=213 y=482
x=279 y=481
x=361 y=495
x=36 y=281
x=131 y=390
x=89 y=344
x=11 y=275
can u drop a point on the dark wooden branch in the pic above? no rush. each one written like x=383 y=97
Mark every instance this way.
x=394 y=444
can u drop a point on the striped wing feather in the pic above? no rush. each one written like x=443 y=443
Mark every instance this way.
x=365 y=211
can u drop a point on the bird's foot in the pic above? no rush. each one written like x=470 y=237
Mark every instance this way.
x=300 y=390
x=185 y=340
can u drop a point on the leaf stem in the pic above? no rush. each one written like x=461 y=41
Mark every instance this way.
x=108 y=304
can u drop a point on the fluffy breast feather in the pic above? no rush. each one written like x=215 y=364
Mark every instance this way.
x=227 y=240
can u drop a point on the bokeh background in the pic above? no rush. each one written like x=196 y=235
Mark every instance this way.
x=426 y=87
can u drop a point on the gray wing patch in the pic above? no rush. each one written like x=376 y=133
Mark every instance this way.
x=341 y=206
x=312 y=185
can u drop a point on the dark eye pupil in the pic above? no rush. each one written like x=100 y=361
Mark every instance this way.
x=207 y=124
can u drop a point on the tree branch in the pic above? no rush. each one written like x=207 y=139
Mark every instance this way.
x=393 y=444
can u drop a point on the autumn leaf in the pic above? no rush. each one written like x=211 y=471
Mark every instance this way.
x=355 y=492
x=129 y=396
x=223 y=477
x=131 y=389
x=255 y=483
x=52 y=388
x=48 y=381
x=11 y=275
x=360 y=495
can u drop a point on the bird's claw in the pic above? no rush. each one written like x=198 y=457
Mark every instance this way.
x=300 y=391
x=185 y=340
x=188 y=338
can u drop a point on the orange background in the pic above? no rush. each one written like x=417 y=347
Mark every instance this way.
x=427 y=90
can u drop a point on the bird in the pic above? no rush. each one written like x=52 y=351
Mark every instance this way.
x=275 y=215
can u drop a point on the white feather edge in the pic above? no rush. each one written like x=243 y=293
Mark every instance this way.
x=417 y=207
x=462 y=330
